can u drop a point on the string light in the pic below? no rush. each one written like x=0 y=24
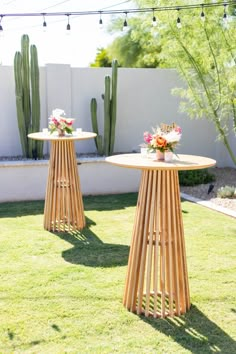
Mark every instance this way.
x=178 y=21
x=100 y=21
x=154 y=20
x=130 y=11
x=1 y=28
x=68 y=23
x=125 y=24
x=225 y=17
x=202 y=14
x=44 y=22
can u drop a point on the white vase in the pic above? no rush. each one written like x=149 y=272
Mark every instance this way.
x=168 y=156
x=144 y=151
x=159 y=155
x=61 y=132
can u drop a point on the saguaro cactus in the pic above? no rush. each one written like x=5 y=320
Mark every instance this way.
x=27 y=97
x=113 y=105
x=98 y=139
x=106 y=145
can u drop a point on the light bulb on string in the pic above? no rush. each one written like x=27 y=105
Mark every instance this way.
x=178 y=21
x=225 y=19
x=68 y=24
x=125 y=24
x=100 y=21
x=154 y=20
x=203 y=14
x=44 y=23
x=1 y=28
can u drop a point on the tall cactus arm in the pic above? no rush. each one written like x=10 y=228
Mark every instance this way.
x=35 y=95
x=113 y=105
x=107 y=119
x=26 y=78
x=19 y=102
x=35 y=100
x=110 y=106
x=93 y=110
x=98 y=138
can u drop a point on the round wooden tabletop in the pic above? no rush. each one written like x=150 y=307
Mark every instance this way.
x=180 y=162
x=74 y=136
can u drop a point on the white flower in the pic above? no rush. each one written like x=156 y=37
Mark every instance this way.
x=56 y=113
x=172 y=137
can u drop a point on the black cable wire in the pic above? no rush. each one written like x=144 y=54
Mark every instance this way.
x=121 y=11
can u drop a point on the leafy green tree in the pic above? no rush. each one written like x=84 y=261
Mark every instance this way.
x=203 y=52
x=139 y=46
x=102 y=59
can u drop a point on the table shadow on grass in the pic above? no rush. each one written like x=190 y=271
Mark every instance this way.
x=195 y=332
x=89 y=250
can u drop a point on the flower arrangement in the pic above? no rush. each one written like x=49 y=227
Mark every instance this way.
x=58 y=122
x=164 y=138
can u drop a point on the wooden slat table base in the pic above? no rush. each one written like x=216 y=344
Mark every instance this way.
x=157 y=279
x=63 y=209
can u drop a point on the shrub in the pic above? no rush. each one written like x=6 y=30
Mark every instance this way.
x=195 y=177
x=226 y=192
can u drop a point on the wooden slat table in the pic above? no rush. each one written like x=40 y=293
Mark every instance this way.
x=63 y=209
x=157 y=278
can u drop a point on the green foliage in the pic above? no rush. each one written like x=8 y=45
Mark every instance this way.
x=62 y=293
x=106 y=146
x=102 y=59
x=27 y=93
x=195 y=177
x=202 y=52
x=204 y=55
x=226 y=192
x=137 y=48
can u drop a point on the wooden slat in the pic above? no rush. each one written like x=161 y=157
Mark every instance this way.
x=68 y=190
x=135 y=250
x=156 y=281
x=169 y=197
x=183 y=252
x=157 y=192
x=175 y=270
x=162 y=240
x=63 y=209
x=151 y=239
x=146 y=200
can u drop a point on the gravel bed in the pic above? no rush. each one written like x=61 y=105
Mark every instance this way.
x=45 y=157
x=224 y=177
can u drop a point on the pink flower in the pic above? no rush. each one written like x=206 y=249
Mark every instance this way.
x=147 y=137
x=178 y=130
x=69 y=122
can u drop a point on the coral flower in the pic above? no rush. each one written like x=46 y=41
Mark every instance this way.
x=161 y=142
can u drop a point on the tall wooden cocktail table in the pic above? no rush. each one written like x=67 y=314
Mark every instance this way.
x=63 y=209
x=157 y=278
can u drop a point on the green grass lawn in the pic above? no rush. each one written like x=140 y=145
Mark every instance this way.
x=62 y=293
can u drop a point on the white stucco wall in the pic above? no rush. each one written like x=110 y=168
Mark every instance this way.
x=24 y=180
x=144 y=100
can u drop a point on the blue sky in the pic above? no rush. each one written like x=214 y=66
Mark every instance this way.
x=55 y=45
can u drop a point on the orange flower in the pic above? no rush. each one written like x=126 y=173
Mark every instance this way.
x=161 y=142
